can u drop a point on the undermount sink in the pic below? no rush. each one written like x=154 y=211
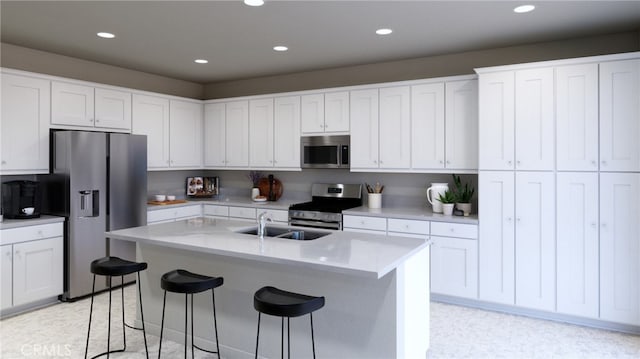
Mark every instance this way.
x=288 y=233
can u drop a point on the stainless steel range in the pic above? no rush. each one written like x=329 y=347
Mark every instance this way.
x=326 y=206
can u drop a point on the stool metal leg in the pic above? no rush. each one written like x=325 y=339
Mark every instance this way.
x=144 y=332
x=192 y=345
x=109 y=324
x=93 y=288
x=258 y=336
x=124 y=326
x=313 y=344
x=185 y=325
x=215 y=321
x=288 y=339
x=282 y=338
x=164 y=302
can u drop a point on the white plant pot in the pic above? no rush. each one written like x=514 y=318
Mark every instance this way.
x=465 y=208
x=447 y=209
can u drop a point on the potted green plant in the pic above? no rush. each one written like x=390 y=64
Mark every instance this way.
x=448 y=200
x=463 y=195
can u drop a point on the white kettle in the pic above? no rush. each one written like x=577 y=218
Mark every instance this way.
x=434 y=192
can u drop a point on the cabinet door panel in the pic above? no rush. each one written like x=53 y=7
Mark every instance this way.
x=577 y=237
x=113 y=109
x=619 y=114
x=497 y=120
x=237 y=150
x=24 y=125
x=72 y=104
x=620 y=247
x=454 y=267
x=336 y=112
x=427 y=126
x=461 y=124
x=261 y=133
x=534 y=119
x=577 y=117
x=497 y=237
x=214 y=135
x=312 y=113
x=151 y=118
x=395 y=128
x=185 y=134
x=37 y=270
x=286 y=150
x=364 y=128
x=535 y=240
x=6 y=276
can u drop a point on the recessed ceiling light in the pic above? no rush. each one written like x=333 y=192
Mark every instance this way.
x=280 y=48
x=524 y=8
x=106 y=35
x=384 y=31
x=254 y=2
x=201 y=61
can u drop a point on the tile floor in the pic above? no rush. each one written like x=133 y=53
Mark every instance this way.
x=59 y=331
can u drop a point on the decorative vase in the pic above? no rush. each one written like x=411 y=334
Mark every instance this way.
x=447 y=209
x=255 y=192
x=434 y=192
x=465 y=208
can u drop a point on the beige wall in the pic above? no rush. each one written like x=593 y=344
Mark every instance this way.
x=22 y=58
x=426 y=67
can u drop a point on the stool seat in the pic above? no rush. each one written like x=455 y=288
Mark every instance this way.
x=277 y=302
x=183 y=281
x=115 y=266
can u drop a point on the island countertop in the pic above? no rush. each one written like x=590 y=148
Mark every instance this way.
x=349 y=253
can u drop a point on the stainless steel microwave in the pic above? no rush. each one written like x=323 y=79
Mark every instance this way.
x=324 y=152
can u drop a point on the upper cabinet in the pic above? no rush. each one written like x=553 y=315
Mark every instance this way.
x=185 y=134
x=151 y=118
x=226 y=132
x=324 y=113
x=88 y=107
x=461 y=125
x=261 y=133
x=364 y=129
x=24 y=125
x=286 y=133
x=497 y=120
x=427 y=126
x=620 y=116
x=395 y=128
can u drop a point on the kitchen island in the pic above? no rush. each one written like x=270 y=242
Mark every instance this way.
x=376 y=288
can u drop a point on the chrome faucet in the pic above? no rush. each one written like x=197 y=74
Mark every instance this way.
x=262 y=223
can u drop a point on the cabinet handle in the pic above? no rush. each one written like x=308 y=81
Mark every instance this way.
x=508 y=219
x=452 y=230
x=40 y=233
x=518 y=219
x=509 y=163
x=448 y=162
x=374 y=161
x=593 y=162
x=321 y=126
x=441 y=162
x=518 y=163
x=604 y=163
x=4 y=162
x=593 y=224
x=380 y=162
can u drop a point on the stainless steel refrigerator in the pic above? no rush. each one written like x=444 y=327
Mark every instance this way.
x=99 y=182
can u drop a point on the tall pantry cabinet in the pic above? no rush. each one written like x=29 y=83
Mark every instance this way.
x=559 y=187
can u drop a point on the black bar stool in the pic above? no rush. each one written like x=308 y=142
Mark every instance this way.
x=280 y=303
x=113 y=267
x=182 y=281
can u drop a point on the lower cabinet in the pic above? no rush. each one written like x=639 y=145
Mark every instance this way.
x=173 y=214
x=364 y=224
x=215 y=211
x=454 y=259
x=32 y=265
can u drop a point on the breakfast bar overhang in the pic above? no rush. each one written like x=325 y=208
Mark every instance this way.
x=376 y=288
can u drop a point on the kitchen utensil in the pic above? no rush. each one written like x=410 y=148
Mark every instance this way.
x=276 y=188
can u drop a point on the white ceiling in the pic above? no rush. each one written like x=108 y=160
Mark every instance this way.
x=164 y=37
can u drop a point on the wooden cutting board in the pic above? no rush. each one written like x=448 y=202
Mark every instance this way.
x=159 y=203
x=263 y=185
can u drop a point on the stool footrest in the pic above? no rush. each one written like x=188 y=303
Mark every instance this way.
x=205 y=350
x=109 y=352
x=132 y=327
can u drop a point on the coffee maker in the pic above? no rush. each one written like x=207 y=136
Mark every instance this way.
x=21 y=199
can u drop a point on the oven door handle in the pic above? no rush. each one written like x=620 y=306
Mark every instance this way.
x=315 y=224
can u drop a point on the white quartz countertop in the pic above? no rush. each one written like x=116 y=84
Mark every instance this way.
x=17 y=223
x=417 y=213
x=343 y=252
x=281 y=204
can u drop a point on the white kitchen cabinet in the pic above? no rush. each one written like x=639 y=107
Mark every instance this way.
x=324 y=113
x=363 y=107
x=6 y=276
x=619 y=116
x=237 y=134
x=577 y=117
x=32 y=264
x=261 y=133
x=217 y=211
x=427 y=126
x=577 y=244
x=215 y=115
x=496 y=120
x=400 y=227
x=112 y=109
x=185 y=134
x=620 y=247
x=24 y=125
x=72 y=104
x=497 y=236
x=243 y=213
x=364 y=224
x=173 y=214
x=286 y=135
x=394 y=136
x=461 y=125
x=454 y=266
x=535 y=240
x=150 y=117
x=37 y=270
x=534 y=119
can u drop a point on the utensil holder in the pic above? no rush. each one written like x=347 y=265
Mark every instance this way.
x=375 y=200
